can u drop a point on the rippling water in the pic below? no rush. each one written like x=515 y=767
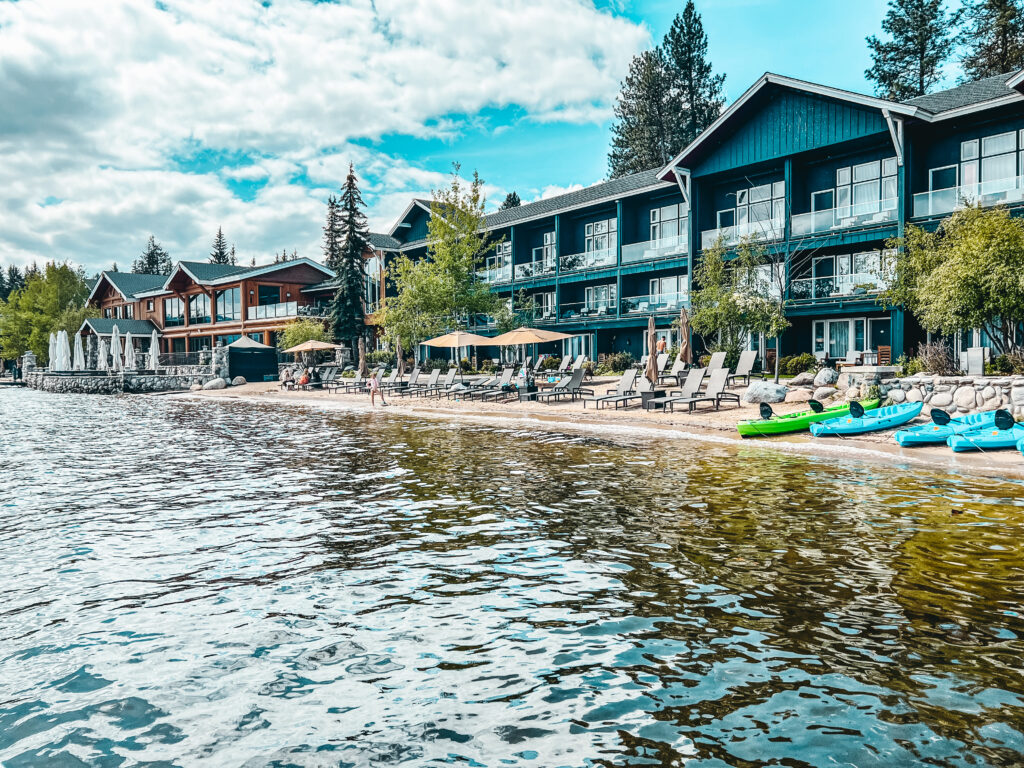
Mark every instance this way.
x=228 y=583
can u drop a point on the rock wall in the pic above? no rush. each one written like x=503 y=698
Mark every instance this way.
x=135 y=383
x=954 y=394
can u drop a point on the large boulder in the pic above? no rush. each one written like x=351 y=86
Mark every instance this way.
x=215 y=384
x=897 y=395
x=826 y=377
x=824 y=393
x=238 y=381
x=765 y=392
x=804 y=379
x=965 y=397
x=914 y=395
x=196 y=387
x=941 y=400
x=1017 y=395
x=799 y=395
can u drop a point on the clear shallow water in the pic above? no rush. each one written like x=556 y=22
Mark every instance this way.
x=227 y=583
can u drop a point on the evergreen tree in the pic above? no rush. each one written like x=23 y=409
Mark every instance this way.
x=347 y=314
x=992 y=36
x=113 y=268
x=232 y=259
x=3 y=285
x=511 y=201
x=909 y=63
x=252 y=262
x=153 y=261
x=642 y=132
x=333 y=238
x=695 y=98
x=220 y=254
x=15 y=280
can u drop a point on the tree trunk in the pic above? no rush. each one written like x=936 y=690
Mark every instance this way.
x=362 y=356
x=778 y=354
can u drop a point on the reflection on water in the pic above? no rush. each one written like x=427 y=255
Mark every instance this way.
x=238 y=584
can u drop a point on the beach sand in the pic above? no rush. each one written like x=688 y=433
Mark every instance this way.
x=705 y=424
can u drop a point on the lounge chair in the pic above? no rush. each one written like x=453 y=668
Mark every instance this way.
x=391 y=381
x=442 y=386
x=464 y=389
x=415 y=389
x=488 y=390
x=578 y=362
x=353 y=385
x=397 y=386
x=567 y=387
x=564 y=365
x=717 y=361
x=714 y=394
x=643 y=384
x=625 y=386
x=744 y=368
x=678 y=366
x=662 y=363
x=690 y=389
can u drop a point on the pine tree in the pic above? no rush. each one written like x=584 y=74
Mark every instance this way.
x=332 y=237
x=511 y=201
x=642 y=133
x=347 y=313
x=3 y=286
x=153 y=261
x=113 y=268
x=695 y=98
x=252 y=262
x=232 y=259
x=992 y=36
x=220 y=254
x=909 y=63
x=15 y=280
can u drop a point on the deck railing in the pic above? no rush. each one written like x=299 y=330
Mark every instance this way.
x=654 y=303
x=988 y=193
x=588 y=260
x=770 y=229
x=654 y=249
x=835 y=287
x=862 y=215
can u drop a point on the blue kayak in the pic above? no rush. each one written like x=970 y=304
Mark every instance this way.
x=987 y=439
x=871 y=421
x=923 y=434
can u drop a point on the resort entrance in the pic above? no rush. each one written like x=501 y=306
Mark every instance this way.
x=837 y=339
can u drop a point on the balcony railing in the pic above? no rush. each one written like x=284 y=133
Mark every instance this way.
x=985 y=194
x=861 y=215
x=835 y=287
x=654 y=249
x=770 y=229
x=536 y=268
x=588 y=260
x=271 y=311
x=501 y=274
x=652 y=303
x=595 y=310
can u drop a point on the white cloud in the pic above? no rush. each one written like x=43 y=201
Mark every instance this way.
x=100 y=99
x=553 y=190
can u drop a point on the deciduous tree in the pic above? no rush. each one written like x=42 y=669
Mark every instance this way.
x=33 y=312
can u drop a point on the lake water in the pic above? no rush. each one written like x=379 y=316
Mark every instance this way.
x=229 y=583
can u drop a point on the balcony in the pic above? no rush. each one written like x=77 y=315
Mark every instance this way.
x=501 y=274
x=655 y=249
x=769 y=229
x=581 y=310
x=832 y=219
x=835 y=288
x=272 y=311
x=588 y=260
x=988 y=193
x=537 y=268
x=654 y=303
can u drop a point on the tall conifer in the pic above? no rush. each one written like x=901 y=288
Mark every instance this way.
x=696 y=96
x=920 y=40
x=347 y=312
x=992 y=37
x=220 y=253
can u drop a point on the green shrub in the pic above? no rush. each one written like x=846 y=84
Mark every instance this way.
x=704 y=361
x=616 y=363
x=486 y=365
x=910 y=365
x=794 y=365
x=444 y=363
x=551 y=363
x=1016 y=360
x=381 y=357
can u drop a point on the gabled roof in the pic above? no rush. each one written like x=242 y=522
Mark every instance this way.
x=103 y=326
x=414 y=203
x=205 y=273
x=384 y=242
x=128 y=284
x=987 y=89
x=771 y=79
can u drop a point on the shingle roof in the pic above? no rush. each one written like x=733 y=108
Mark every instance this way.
x=204 y=270
x=130 y=283
x=326 y=285
x=965 y=95
x=384 y=242
x=103 y=326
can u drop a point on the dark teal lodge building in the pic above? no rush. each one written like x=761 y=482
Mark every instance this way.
x=821 y=175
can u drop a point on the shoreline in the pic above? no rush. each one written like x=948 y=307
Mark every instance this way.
x=708 y=426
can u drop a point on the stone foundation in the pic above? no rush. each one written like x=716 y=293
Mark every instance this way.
x=132 y=382
x=957 y=395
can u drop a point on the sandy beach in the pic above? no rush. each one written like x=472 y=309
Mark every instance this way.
x=705 y=424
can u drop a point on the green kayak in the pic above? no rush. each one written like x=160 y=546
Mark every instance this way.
x=796 y=422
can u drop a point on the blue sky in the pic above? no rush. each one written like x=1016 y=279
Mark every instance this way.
x=132 y=117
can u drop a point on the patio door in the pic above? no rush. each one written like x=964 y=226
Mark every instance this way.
x=880 y=333
x=583 y=344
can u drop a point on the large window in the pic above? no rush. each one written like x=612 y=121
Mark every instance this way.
x=600 y=298
x=129 y=311
x=372 y=279
x=547 y=304
x=668 y=222
x=268 y=294
x=229 y=338
x=599 y=235
x=863 y=189
x=174 y=313
x=759 y=210
x=198 y=309
x=229 y=305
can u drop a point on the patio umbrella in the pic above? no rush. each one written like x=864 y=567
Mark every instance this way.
x=63 y=351
x=528 y=336
x=101 y=357
x=79 y=353
x=115 y=350
x=129 y=352
x=456 y=340
x=154 y=351
x=311 y=346
x=51 y=351
x=652 y=357
x=685 y=352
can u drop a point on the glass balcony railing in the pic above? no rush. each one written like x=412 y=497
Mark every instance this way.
x=535 y=269
x=861 y=215
x=501 y=274
x=985 y=194
x=835 y=287
x=769 y=229
x=654 y=249
x=588 y=260
x=582 y=310
x=658 y=302
x=271 y=311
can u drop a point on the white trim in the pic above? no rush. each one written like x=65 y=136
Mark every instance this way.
x=99 y=281
x=799 y=85
x=1016 y=80
x=955 y=167
x=245 y=275
x=896 y=133
x=401 y=219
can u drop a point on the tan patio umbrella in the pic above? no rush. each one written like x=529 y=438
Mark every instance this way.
x=652 y=357
x=685 y=351
x=528 y=336
x=311 y=346
x=457 y=339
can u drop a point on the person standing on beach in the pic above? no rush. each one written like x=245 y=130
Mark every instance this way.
x=375 y=389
